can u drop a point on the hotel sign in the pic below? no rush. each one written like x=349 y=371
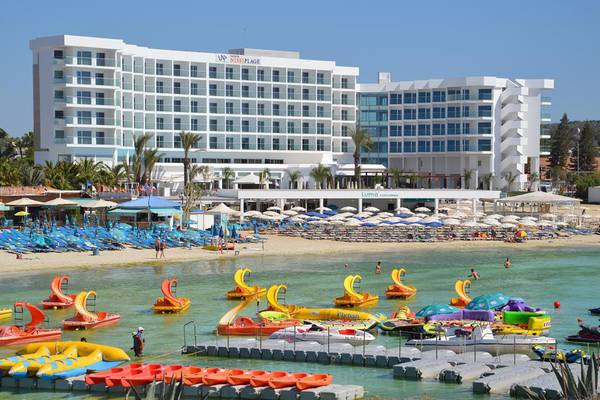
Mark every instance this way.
x=379 y=195
x=237 y=59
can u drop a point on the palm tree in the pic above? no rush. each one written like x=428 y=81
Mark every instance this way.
x=188 y=141
x=294 y=177
x=197 y=170
x=139 y=145
x=487 y=180
x=7 y=147
x=24 y=145
x=396 y=175
x=510 y=179
x=362 y=140
x=320 y=174
x=265 y=176
x=534 y=177
x=227 y=175
x=88 y=170
x=151 y=157
x=9 y=173
x=31 y=175
x=468 y=174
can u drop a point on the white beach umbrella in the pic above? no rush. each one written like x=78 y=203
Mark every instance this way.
x=303 y=216
x=298 y=209
x=492 y=222
x=545 y=223
x=445 y=209
x=337 y=222
x=421 y=215
x=413 y=219
x=403 y=210
x=393 y=219
x=422 y=210
x=372 y=209
x=451 y=221
x=529 y=219
x=290 y=213
x=495 y=216
x=527 y=222
x=470 y=224
x=271 y=213
x=385 y=214
x=508 y=225
x=561 y=223
x=100 y=204
x=512 y=216
x=430 y=220
x=58 y=202
x=348 y=209
x=321 y=209
x=353 y=222
x=253 y=213
x=296 y=219
x=458 y=214
x=364 y=214
x=274 y=208
x=483 y=225
x=548 y=216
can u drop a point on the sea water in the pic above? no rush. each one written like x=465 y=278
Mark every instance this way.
x=569 y=275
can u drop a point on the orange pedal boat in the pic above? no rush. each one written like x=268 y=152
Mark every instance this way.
x=181 y=374
x=58 y=299
x=399 y=290
x=85 y=319
x=246 y=326
x=220 y=377
x=113 y=373
x=287 y=380
x=462 y=290
x=313 y=381
x=30 y=333
x=242 y=290
x=169 y=303
x=195 y=377
x=148 y=373
x=244 y=377
x=353 y=298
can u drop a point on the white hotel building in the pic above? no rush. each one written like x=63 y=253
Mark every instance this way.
x=257 y=109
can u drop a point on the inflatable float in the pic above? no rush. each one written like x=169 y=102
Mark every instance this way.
x=85 y=319
x=53 y=360
x=242 y=289
x=30 y=332
x=319 y=334
x=169 y=303
x=275 y=292
x=353 y=298
x=399 y=290
x=462 y=291
x=58 y=299
x=5 y=313
x=523 y=323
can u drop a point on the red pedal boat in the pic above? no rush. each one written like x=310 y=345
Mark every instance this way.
x=14 y=334
x=313 y=381
x=287 y=380
x=58 y=299
x=113 y=373
x=85 y=319
x=144 y=375
x=246 y=326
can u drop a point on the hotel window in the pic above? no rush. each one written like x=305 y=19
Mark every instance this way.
x=410 y=147
x=84 y=57
x=276 y=109
x=260 y=143
x=484 y=128
x=260 y=92
x=395 y=115
x=245 y=125
x=260 y=109
x=100 y=118
x=320 y=111
x=160 y=141
x=229 y=143
x=290 y=110
x=83 y=77
x=466 y=128
x=424 y=146
x=194 y=106
x=410 y=130
x=439 y=146
x=453 y=145
x=229 y=73
x=345 y=99
x=453 y=112
x=176 y=70
x=395 y=98
x=160 y=88
x=159 y=69
x=194 y=71
x=484 y=145
x=320 y=78
x=320 y=128
x=101 y=60
x=260 y=75
x=177 y=124
x=99 y=99
x=305 y=94
x=260 y=126
x=453 y=129
x=290 y=76
x=424 y=113
x=59 y=136
x=467 y=146
x=345 y=116
x=245 y=143
x=305 y=145
x=439 y=112
x=395 y=147
x=212 y=89
x=194 y=89
x=424 y=97
x=212 y=72
x=439 y=96
x=160 y=105
x=229 y=90
x=291 y=93
x=275 y=76
x=410 y=113
x=229 y=108
x=305 y=111
x=410 y=98
x=59 y=114
x=84 y=117
x=291 y=144
x=485 y=94
x=276 y=127
x=395 y=130
x=245 y=108
x=465 y=111
x=305 y=77
x=320 y=95
x=83 y=97
x=245 y=91
x=84 y=137
x=275 y=144
x=177 y=105
x=466 y=94
x=194 y=124
x=344 y=83
x=454 y=94
x=424 y=130
x=177 y=87
x=59 y=76
x=213 y=125
x=305 y=127
x=320 y=145
x=213 y=108
x=344 y=130
x=275 y=92
x=344 y=147
x=485 y=111
x=245 y=74
x=229 y=125
x=212 y=142
x=439 y=129
x=58 y=54
x=177 y=142
x=291 y=127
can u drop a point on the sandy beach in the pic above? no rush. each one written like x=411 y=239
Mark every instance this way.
x=273 y=246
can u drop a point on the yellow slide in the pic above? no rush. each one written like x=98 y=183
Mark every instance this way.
x=81 y=306
x=5 y=313
x=242 y=289
x=462 y=290
x=351 y=297
x=399 y=290
x=230 y=315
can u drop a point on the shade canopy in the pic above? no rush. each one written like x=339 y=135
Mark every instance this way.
x=222 y=209
x=488 y=302
x=436 y=309
x=150 y=202
x=25 y=202
x=59 y=202
x=540 y=198
x=250 y=179
x=100 y=204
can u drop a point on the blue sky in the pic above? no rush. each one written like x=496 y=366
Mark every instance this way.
x=412 y=39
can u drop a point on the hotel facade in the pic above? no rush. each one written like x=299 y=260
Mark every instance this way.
x=257 y=109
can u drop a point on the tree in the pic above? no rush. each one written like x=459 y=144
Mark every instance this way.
x=560 y=144
x=227 y=175
x=468 y=175
x=31 y=175
x=151 y=157
x=320 y=174
x=510 y=179
x=487 y=180
x=294 y=177
x=583 y=182
x=88 y=170
x=7 y=148
x=139 y=145
x=585 y=155
x=534 y=177
x=396 y=174
x=264 y=177
x=362 y=140
x=24 y=146
x=10 y=174
x=189 y=140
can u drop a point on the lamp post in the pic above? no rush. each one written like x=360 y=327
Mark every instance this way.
x=578 y=137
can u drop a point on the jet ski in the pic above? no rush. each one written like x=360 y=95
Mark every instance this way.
x=595 y=311
x=587 y=334
x=551 y=354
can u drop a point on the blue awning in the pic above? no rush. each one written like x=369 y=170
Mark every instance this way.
x=152 y=202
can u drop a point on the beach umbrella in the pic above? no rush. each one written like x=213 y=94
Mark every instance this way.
x=372 y=209
x=421 y=215
x=529 y=218
x=25 y=202
x=221 y=209
x=512 y=216
x=402 y=210
x=412 y=220
x=507 y=225
x=545 y=223
x=348 y=209
x=352 y=222
x=422 y=209
x=296 y=219
x=527 y=222
x=316 y=214
x=21 y=214
x=488 y=302
x=445 y=209
x=436 y=309
x=364 y=214
x=290 y=213
x=271 y=213
x=470 y=224
x=451 y=221
x=495 y=216
x=252 y=213
x=58 y=202
x=404 y=214
x=298 y=209
x=561 y=223
x=492 y=222
x=509 y=219
x=321 y=209
x=548 y=216
x=385 y=214
x=337 y=222
x=100 y=204
x=274 y=208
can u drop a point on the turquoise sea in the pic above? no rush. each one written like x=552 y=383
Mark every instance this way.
x=540 y=276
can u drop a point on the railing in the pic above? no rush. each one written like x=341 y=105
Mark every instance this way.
x=88 y=61
x=93 y=101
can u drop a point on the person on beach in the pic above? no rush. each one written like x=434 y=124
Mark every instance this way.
x=157 y=247
x=474 y=274
x=162 y=249
x=378 y=267
x=139 y=342
x=507 y=263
